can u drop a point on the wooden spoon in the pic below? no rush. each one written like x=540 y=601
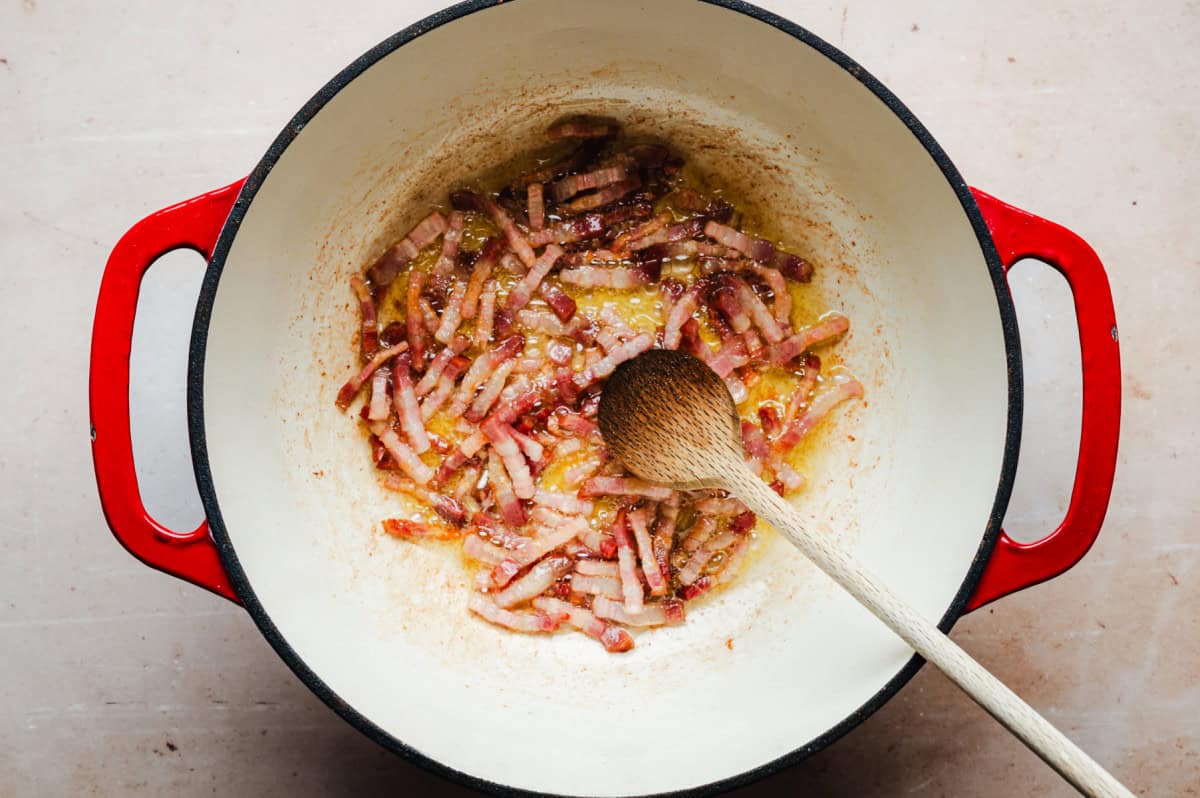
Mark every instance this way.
x=670 y=419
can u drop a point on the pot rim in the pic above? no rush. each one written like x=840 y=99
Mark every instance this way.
x=225 y=548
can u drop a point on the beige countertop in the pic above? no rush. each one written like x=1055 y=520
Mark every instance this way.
x=116 y=680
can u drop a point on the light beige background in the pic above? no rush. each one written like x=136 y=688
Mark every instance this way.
x=115 y=680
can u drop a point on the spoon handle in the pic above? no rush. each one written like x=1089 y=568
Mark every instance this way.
x=1083 y=772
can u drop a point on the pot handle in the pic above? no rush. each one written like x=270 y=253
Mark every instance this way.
x=192 y=224
x=1014 y=566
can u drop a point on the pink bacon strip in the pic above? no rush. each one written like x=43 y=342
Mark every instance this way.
x=618 y=278
x=598 y=568
x=802 y=393
x=407 y=409
x=625 y=486
x=407 y=529
x=369 y=337
x=753 y=248
x=562 y=502
x=457 y=346
x=631 y=585
x=701 y=557
x=447 y=507
x=501 y=437
x=755 y=444
x=641 y=535
x=604 y=196
x=537 y=580
x=396 y=259
x=537 y=547
x=536 y=205
x=511 y=509
x=664 y=534
x=516 y=239
x=623 y=244
x=843 y=388
x=487 y=312
x=758 y=312
x=489 y=255
x=405 y=457
x=481 y=369
x=451 y=315
x=451 y=240
x=781 y=305
x=490 y=393
x=571 y=185
x=614 y=638
x=538 y=621
x=414 y=320
x=354 y=384
x=434 y=400
x=596 y=585
x=824 y=331
x=469 y=447
x=659 y=613
x=681 y=311
x=378 y=408
x=570 y=231
x=522 y=292
x=607 y=364
x=560 y=303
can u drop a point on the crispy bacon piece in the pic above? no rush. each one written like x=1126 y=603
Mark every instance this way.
x=536 y=206
x=407 y=409
x=516 y=239
x=824 y=331
x=396 y=259
x=604 y=196
x=669 y=612
x=624 y=486
x=434 y=400
x=626 y=242
x=843 y=388
x=487 y=311
x=570 y=231
x=538 y=621
x=369 y=337
x=405 y=457
x=354 y=384
x=418 y=530
x=562 y=305
x=631 y=584
x=536 y=580
x=636 y=520
x=681 y=313
x=583 y=127
x=758 y=312
x=414 y=319
x=522 y=292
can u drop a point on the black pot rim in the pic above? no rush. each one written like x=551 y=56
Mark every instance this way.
x=195 y=401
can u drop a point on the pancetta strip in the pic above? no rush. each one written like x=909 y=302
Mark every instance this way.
x=434 y=400
x=843 y=388
x=536 y=580
x=681 y=311
x=407 y=409
x=408 y=529
x=490 y=393
x=571 y=185
x=378 y=409
x=824 y=331
x=664 y=534
x=448 y=507
x=511 y=509
x=536 y=206
x=481 y=369
x=641 y=534
x=669 y=612
x=781 y=304
x=535 y=622
x=604 y=196
x=517 y=241
x=802 y=393
x=560 y=303
x=607 y=364
x=487 y=312
x=354 y=384
x=396 y=259
x=404 y=456
x=631 y=584
x=753 y=248
x=522 y=292
x=701 y=557
x=758 y=312
x=625 y=486
x=452 y=314
x=369 y=337
x=489 y=255
x=457 y=346
x=451 y=240
x=614 y=638
x=500 y=436
x=546 y=541
x=596 y=585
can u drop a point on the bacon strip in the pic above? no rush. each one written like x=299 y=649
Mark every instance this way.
x=408 y=529
x=405 y=457
x=536 y=206
x=369 y=337
x=503 y=443
x=573 y=184
x=378 y=408
x=487 y=312
x=701 y=557
x=511 y=509
x=490 y=392
x=631 y=585
x=407 y=409
x=669 y=612
x=843 y=388
x=354 y=384
x=755 y=444
x=623 y=244
x=451 y=240
x=433 y=373
x=537 y=580
x=804 y=389
x=434 y=400
x=560 y=303
x=717 y=505
x=782 y=303
x=824 y=331
x=396 y=259
x=664 y=534
x=539 y=621
x=607 y=364
x=481 y=369
x=598 y=568
x=570 y=231
x=596 y=585
x=562 y=502
x=614 y=638
x=604 y=196
x=516 y=239
x=488 y=256
x=625 y=486
x=580 y=328
x=793 y=267
x=702 y=529
x=636 y=520
x=414 y=319
x=522 y=292
x=753 y=248
x=577 y=159
x=757 y=311
x=452 y=314
x=546 y=541
x=618 y=278
x=680 y=313
x=580 y=472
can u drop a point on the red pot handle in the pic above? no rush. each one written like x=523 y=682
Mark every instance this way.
x=1018 y=234
x=192 y=224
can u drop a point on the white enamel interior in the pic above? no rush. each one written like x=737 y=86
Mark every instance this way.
x=383 y=623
